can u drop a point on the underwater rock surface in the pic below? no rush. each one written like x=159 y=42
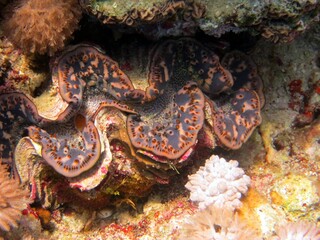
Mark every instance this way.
x=279 y=21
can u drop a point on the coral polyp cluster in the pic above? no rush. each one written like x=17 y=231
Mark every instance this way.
x=217 y=223
x=297 y=230
x=42 y=26
x=219 y=183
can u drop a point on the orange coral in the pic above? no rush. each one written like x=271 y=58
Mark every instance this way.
x=12 y=200
x=42 y=26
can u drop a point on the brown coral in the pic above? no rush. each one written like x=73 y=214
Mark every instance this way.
x=42 y=26
x=12 y=200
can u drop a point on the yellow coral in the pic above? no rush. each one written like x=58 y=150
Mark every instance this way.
x=12 y=200
x=42 y=26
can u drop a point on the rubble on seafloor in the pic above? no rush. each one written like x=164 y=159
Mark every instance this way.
x=281 y=157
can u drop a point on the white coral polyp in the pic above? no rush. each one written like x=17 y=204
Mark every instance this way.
x=298 y=230
x=219 y=182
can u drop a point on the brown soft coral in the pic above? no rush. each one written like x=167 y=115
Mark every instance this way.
x=12 y=200
x=42 y=26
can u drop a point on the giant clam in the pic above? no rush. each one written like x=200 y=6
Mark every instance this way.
x=96 y=110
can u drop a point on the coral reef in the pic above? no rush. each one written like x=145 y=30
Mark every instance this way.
x=134 y=13
x=279 y=21
x=143 y=113
x=219 y=183
x=12 y=200
x=41 y=26
x=217 y=223
x=109 y=139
